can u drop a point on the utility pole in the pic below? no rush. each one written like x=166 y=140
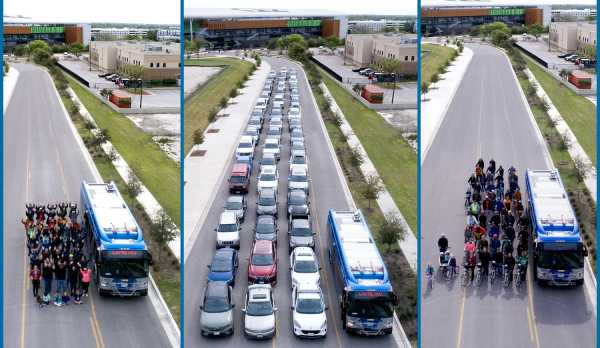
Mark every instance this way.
x=394 y=89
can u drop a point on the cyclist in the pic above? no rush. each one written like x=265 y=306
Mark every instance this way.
x=490 y=187
x=510 y=233
x=507 y=207
x=477 y=194
x=430 y=272
x=523 y=221
x=473 y=208
x=483 y=220
x=483 y=243
x=468 y=195
x=513 y=187
x=497 y=260
x=493 y=165
x=510 y=219
x=479 y=233
x=495 y=243
x=443 y=243
x=523 y=237
x=500 y=188
x=511 y=171
x=442 y=258
x=498 y=206
x=495 y=220
x=519 y=208
x=470 y=246
x=485 y=258
x=518 y=195
x=490 y=169
x=471 y=262
x=509 y=263
x=480 y=164
x=453 y=264
x=472 y=180
x=472 y=220
x=487 y=204
x=507 y=245
x=500 y=172
x=523 y=264
x=469 y=233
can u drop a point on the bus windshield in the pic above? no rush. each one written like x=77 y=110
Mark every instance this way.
x=124 y=268
x=559 y=259
x=370 y=308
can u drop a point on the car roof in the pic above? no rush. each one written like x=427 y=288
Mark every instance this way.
x=235 y=199
x=268 y=170
x=259 y=293
x=263 y=245
x=300 y=223
x=228 y=217
x=224 y=253
x=255 y=118
x=246 y=138
x=268 y=154
x=297 y=193
x=239 y=168
x=298 y=170
x=294 y=109
x=243 y=158
x=267 y=192
x=217 y=290
x=304 y=254
x=271 y=140
x=297 y=154
x=263 y=219
x=309 y=287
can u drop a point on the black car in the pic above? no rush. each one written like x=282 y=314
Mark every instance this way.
x=104 y=74
x=298 y=204
x=300 y=233
x=267 y=203
x=359 y=69
x=573 y=58
x=563 y=55
x=265 y=228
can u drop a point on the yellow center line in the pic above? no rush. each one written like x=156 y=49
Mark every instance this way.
x=26 y=201
x=95 y=319
x=322 y=257
x=94 y=330
x=529 y=319
x=537 y=339
x=462 y=312
x=277 y=325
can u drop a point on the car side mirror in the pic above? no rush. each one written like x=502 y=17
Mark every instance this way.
x=320 y=268
x=225 y=206
x=326 y=308
x=215 y=229
x=208 y=266
x=314 y=233
x=247 y=259
x=254 y=202
x=254 y=230
x=233 y=305
x=290 y=268
x=292 y=307
x=201 y=307
x=275 y=309
x=243 y=309
x=308 y=203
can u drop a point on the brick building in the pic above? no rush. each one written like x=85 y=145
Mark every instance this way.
x=365 y=49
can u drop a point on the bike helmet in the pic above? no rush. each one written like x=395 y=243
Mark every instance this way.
x=441 y=254
x=510 y=211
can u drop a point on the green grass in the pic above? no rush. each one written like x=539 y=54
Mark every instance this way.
x=576 y=110
x=393 y=158
x=386 y=85
x=196 y=109
x=159 y=173
x=591 y=71
x=135 y=91
x=438 y=55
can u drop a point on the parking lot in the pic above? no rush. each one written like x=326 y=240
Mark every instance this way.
x=540 y=49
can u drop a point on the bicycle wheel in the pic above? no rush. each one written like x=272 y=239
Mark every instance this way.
x=447 y=274
x=492 y=276
x=479 y=279
x=505 y=281
x=431 y=283
x=519 y=282
x=464 y=280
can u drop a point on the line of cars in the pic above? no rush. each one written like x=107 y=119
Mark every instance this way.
x=574 y=58
x=109 y=76
x=308 y=305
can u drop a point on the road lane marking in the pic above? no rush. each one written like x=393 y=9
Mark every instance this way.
x=276 y=326
x=512 y=140
x=537 y=339
x=94 y=331
x=26 y=200
x=480 y=114
x=529 y=319
x=462 y=312
x=95 y=319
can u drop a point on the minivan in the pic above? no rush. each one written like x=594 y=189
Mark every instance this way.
x=228 y=231
x=240 y=178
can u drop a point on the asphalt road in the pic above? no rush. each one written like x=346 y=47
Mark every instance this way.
x=487 y=118
x=326 y=193
x=44 y=162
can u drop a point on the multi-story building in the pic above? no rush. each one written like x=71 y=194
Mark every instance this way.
x=570 y=37
x=161 y=59
x=20 y=31
x=576 y=14
x=442 y=17
x=119 y=33
x=376 y=24
x=366 y=49
x=239 y=28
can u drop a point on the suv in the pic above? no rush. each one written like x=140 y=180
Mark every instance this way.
x=228 y=232
x=268 y=179
x=298 y=160
x=236 y=205
x=217 y=309
x=245 y=147
x=256 y=122
x=274 y=132
x=309 y=309
x=247 y=160
x=298 y=180
x=262 y=264
x=265 y=228
x=272 y=146
x=297 y=204
x=268 y=160
x=267 y=203
x=223 y=266
x=261 y=104
x=300 y=233
x=304 y=266
x=259 y=309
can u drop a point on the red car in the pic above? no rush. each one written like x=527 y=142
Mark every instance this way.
x=262 y=266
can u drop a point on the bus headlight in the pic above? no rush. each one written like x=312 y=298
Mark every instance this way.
x=144 y=284
x=580 y=275
x=103 y=283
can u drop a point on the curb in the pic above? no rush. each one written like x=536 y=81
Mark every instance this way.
x=12 y=87
x=176 y=340
x=593 y=291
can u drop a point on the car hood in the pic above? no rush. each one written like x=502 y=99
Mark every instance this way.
x=259 y=323
x=271 y=150
x=263 y=184
x=300 y=240
x=306 y=277
x=292 y=166
x=237 y=213
x=219 y=276
x=265 y=236
x=310 y=321
x=299 y=209
x=261 y=271
x=214 y=320
x=298 y=185
x=267 y=207
x=228 y=235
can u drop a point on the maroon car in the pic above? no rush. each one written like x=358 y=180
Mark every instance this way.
x=262 y=266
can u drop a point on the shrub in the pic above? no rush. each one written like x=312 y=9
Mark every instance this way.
x=125 y=101
x=169 y=81
x=377 y=97
x=156 y=82
x=156 y=268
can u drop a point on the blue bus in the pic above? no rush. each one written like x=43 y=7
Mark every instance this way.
x=367 y=299
x=558 y=251
x=119 y=254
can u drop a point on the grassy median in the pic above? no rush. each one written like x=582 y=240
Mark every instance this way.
x=196 y=109
x=439 y=54
x=395 y=161
x=159 y=173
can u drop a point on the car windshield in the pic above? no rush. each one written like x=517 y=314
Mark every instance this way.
x=254 y=122
x=268 y=161
x=251 y=133
x=560 y=259
x=276 y=112
x=262 y=259
x=264 y=201
x=234 y=206
x=294 y=112
x=221 y=265
x=298 y=178
x=227 y=228
x=305 y=267
x=309 y=306
x=124 y=268
x=260 y=103
x=279 y=99
x=298 y=200
x=237 y=179
x=297 y=135
x=298 y=147
x=245 y=145
x=370 y=309
x=265 y=228
x=271 y=146
x=275 y=122
x=267 y=177
x=301 y=232
x=299 y=160
x=273 y=132
x=259 y=308
x=216 y=305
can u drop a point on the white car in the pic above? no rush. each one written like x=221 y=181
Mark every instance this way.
x=304 y=266
x=268 y=179
x=274 y=132
x=259 y=309
x=228 y=231
x=298 y=147
x=272 y=146
x=252 y=131
x=294 y=114
x=280 y=85
x=295 y=103
x=267 y=89
x=261 y=104
x=292 y=70
x=265 y=95
x=293 y=79
x=283 y=71
x=298 y=160
x=276 y=122
x=279 y=101
x=309 y=309
x=245 y=147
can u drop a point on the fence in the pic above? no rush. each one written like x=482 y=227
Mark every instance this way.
x=77 y=77
x=533 y=56
x=329 y=71
x=193 y=93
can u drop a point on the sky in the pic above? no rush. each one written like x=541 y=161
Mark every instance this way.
x=393 y=7
x=129 y=11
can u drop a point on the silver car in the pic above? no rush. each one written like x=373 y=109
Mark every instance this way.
x=293 y=85
x=276 y=122
x=295 y=93
x=279 y=101
x=265 y=95
x=267 y=89
x=252 y=131
x=272 y=146
x=274 y=132
x=298 y=147
x=295 y=103
x=217 y=309
x=259 y=309
x=298 y=180
x=298 y=160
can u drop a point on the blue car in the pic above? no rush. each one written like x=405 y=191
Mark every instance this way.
x=223 y=266
x=247 y=160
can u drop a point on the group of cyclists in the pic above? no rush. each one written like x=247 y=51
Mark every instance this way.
x=55 y=242
x=494 y=211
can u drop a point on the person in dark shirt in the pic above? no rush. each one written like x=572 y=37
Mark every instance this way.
x=442 y=244
x=497 y=260
x=66 y=299
x=73 y=277
x=48 y=275
x=77 y=297
x=60 y=272
x=510 y=265
x=485 y=258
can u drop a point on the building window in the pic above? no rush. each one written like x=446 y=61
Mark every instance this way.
x=405 y=57
x=158 y=65
x=151 y=65
x=164 y=65
x=412 y=58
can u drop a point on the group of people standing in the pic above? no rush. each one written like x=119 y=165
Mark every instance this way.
x=55 y=249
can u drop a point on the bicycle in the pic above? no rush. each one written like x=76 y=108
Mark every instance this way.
x=493 y=272
x=465 y=277
x=430 y=280
x=519 y=280
x=479 y=276
x=506 y=280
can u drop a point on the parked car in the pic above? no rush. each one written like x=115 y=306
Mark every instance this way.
x=294 y=93
x=276 y=122
x=276 y=112
x=294 y=124
x=228 y=231
x=568 y=56
x=268 y=159
x=304 y=266
x=256 y=122
x=308 y=308
x=297 y=204
x=295 y=135
x=294 y=114
x=298 y=160
x=300 y=233
x=293 y=85
x=259 y=312
x=274 y=132
x=563 y=55
x=298 y=180
x=292 y=70
x=245 y=159
x=298 y=147
x=104 y=74
x=268 y=179
x=223 y=266
x=295 y=103
x=236 y=205
x=269 y=84
x=258 y=113
x=245 y=147
x=265 y=95
x=279 y=101
x=358 y=69
x=273 y=146
x=267 y=203
x=217 y=309
x=573 y=58
x=265 y=228
x=280 y=90
x=366 y=72
x=252 y=131
x=262 y=264
x=268 y=90
x=261 y=104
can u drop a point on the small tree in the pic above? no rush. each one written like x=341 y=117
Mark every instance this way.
x=101 y=137
x=134 y=73
x=246 y=54
x=582 y=170
x=441 y=69
x=239 y=85
x=391 y=229
x=331 y=43
x=111 y=156
x=424 y=88
x=89 y=125
x=564 y=144
x=233 y=93
x=133 y=186
x=223 y=103
x=372 y=188
x=163 y=229
x=356 y=158
x=225 y=47
x=251 y=47
x=198 y=136
x=213 y=115
x=343 y=138
x=426 y=33
x=452 y=34
x=439 y=39
x=434 y=78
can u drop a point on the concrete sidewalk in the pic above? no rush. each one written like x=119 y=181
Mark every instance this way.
x=9 y=83
x=433 y=111
x=201 y=185
x=562 y=127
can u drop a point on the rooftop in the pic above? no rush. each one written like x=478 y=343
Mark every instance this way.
x=236 y=13
x=389 y=40
x=479 y=3
x=24 y=20
x=576 y=25
x=173 y=48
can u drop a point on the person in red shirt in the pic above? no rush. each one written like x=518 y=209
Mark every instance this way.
x=471 y=263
